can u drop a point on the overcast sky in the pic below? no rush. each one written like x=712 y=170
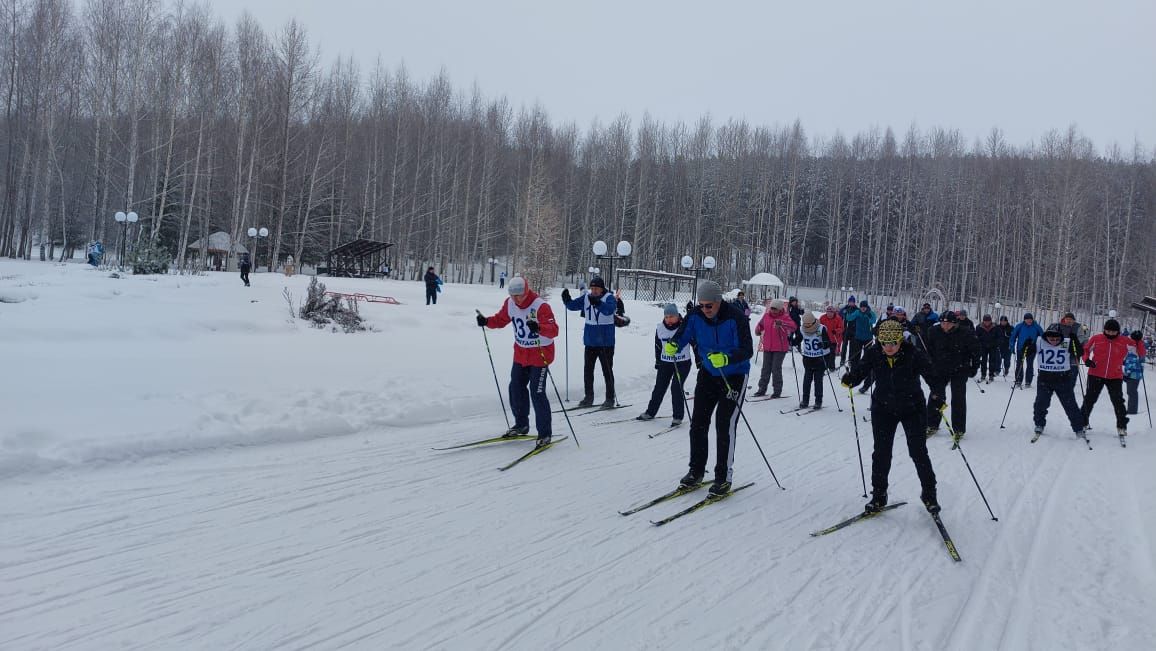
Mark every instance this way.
x=1025 y=66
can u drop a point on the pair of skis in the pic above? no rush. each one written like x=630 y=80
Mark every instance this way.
x=586 y=411
x=506 y=439
x=801 y=411
x=865 y=515
x=679 y=492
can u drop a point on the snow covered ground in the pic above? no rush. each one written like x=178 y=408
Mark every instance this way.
x=183 y=467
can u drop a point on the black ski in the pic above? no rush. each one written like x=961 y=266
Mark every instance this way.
x=711 y=499
x=598 y=409
x=668 y=430
x=855 y=518
x=678 y=492
x=627 y=420
x=765 y=398
x=496 y=439
x=533 y=452
x=808 y=411
x=946 y=538
x=791 y=411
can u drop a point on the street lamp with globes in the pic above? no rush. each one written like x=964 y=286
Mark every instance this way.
x=600 y=253
x=124 y=220
x=708 y=263
x=492 y=262
x=257 y=234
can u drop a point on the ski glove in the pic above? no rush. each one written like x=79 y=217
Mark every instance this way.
x=566 y=295
x=532 y=326
x=846 y=381
x=1090 y=363
x=718 y=360
x=937 y=403
x=481 y=321
x=670 y=348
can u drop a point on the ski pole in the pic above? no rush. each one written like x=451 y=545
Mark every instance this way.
x=834 y=394
x=558 y=393
x=795 y=368
x=1147 y=407
x=566 y=321
x=502 y=400
x=964 y=456
x=855 y=421
x=739 y=405
x=1005 y=410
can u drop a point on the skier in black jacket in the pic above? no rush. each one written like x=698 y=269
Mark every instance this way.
x=992 y=341
x=796 y=314
x=897 y=366
x=954 y=353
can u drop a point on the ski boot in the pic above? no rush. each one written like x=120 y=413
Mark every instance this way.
x=516 y=431
x=675 y=422
x=956 y=437
x=609 y=404
x=585 y=402
x=542 y=441
x=931 y=431
x=719 y=488
x=690 y=480
x=1121 y=432
x=804 y=404
x=878 y=501
x=818 y=404
x=760 y=393
x=1028 y=384
x=929 y=501
x=645 y=416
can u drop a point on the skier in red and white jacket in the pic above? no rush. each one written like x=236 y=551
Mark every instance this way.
x=1104 y=356
x=534 y=333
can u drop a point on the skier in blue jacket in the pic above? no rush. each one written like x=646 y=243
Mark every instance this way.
x=598 y=307
x=721 y=336
x=1025 y=331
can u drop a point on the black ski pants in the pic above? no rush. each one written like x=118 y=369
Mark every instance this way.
x=958 y=383
x=710 y=397
x=1115 y=394
x=431 y=296
x=1028 y=359
x=1061 y=385
x=814 y=368
x=883 y=426
x=989 y=361
x=604 y=355
x=528 y=386
x=1133 y=395
x=245 y=276
x=668 y=379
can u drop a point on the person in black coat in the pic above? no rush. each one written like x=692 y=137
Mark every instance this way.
x=898 y=399
x=1005 y=354
x=954 y=353
x=431 y=286
x=992 y=342
x=245 y=267
x=796 y=314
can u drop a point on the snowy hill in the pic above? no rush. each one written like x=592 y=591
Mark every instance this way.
x=183 y=467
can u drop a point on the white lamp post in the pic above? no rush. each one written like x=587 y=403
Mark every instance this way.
x=257 y=234
x=708 y=263
x=623 y=250
x=124 y=220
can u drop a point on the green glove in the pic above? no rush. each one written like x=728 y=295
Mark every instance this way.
x=670 y=348
x=718 y=360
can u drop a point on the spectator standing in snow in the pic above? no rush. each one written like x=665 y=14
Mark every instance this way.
x=1025 y=331
x=796 y=314
x=599 y=308
x=722 y=339
x=431 y=286
x=1104 y=356
x=245 y=267
x=833 y=322
x=672 y=369
x=775 y=329
x=741 y=303
x=849 y=309
x=534 y=333
x=501 y=280
x=1134 y=370
x=991 y=346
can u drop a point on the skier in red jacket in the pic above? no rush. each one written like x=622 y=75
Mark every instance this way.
x=1104 y=356
x=534 y=332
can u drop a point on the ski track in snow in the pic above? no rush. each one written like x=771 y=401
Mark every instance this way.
x=356 y=535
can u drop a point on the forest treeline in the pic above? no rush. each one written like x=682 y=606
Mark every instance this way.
x=198 y=126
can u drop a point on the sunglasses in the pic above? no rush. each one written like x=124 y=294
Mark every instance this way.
x=707 y=306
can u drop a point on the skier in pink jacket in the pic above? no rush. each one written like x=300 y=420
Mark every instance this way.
x=775 y=329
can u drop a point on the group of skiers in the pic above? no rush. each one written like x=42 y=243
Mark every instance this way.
x=890 y=353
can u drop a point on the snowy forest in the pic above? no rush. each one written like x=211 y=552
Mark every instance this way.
x=198 y=125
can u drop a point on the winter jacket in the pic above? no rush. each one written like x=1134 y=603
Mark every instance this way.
x=897 y=388
x=729 y=332
x=775 y=339
x=955 y=353
x=743 y=306
x=1022 y=334
x=846 y=313
x=796 y=316
x=859 y=325
x=528 y=351
x=599 y=313
x=834 y=325
x=966 y=324
x=1108 y=354
x=1007 y=332
x=431 y=282
x=662 y=334
x=1134 y=362
x=990 y=338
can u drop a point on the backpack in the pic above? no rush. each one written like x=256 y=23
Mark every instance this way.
x=1133 y=367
